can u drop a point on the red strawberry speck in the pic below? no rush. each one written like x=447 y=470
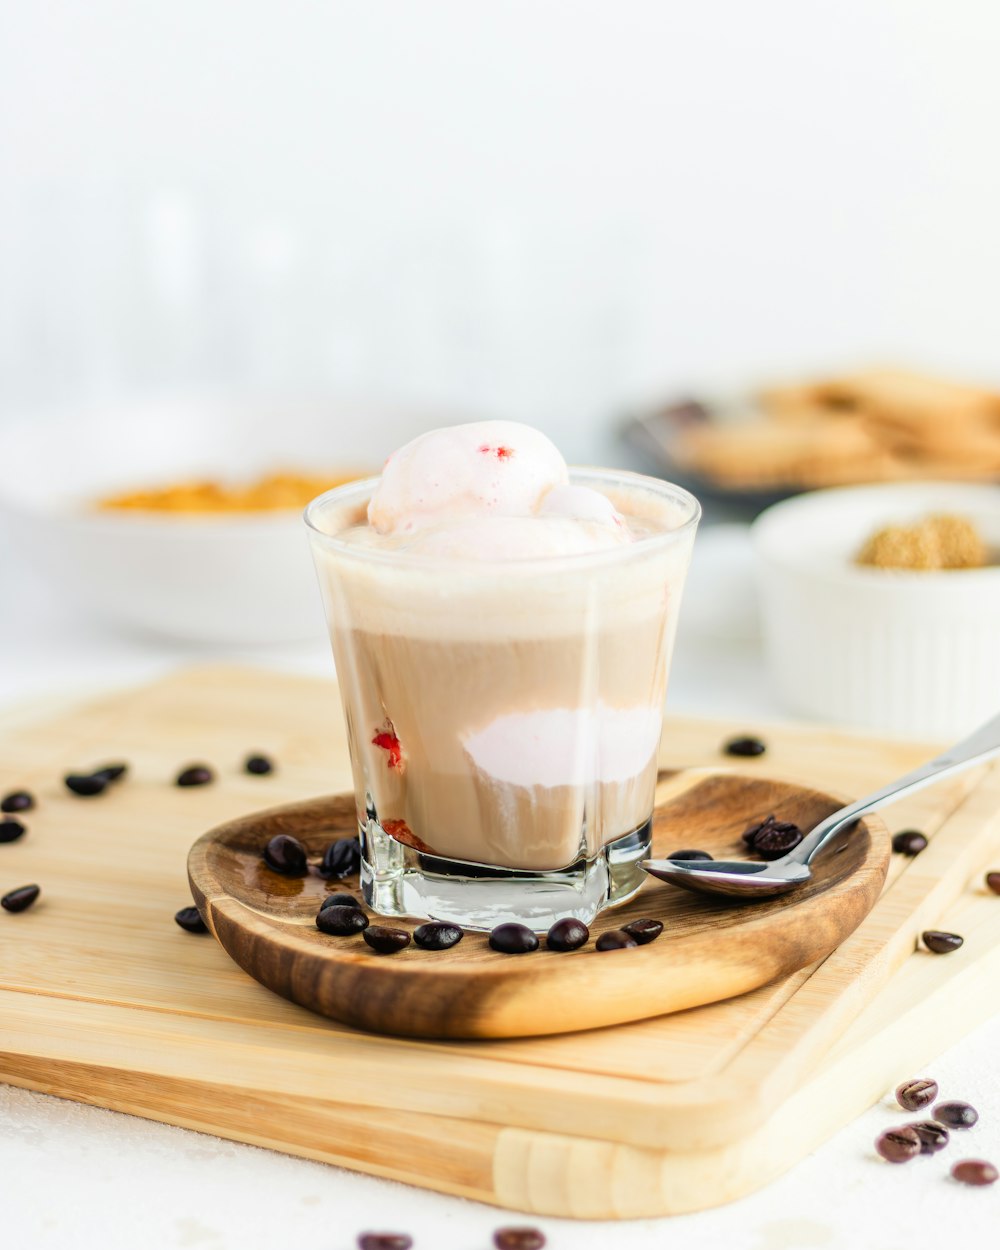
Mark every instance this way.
x=501 y=453
x=385 y=739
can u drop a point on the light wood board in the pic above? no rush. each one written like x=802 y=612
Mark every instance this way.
x=104 y=999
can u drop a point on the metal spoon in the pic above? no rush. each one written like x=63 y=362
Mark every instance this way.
x=748 y=881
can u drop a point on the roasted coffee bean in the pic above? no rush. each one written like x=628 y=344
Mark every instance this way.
x=196 y=775
x=258 y=765
x=86 y=785
x=519 y=1238
x=341 y=921
x=909 y=842
x=644 y=931
x=993 y=882
x=917 y=1094
x=955 y=1114
x=941 y=943
x=110 y=772
x=189 y=919
x=974 y=1172
x=513 y=939
x=933 y=1136
x=385 y=1241
x=437 y=936
x=567 y=934
x=777 y=840
x=745 y=746
x=768 y=825
x=689 y=855
x=21 y=898
x=385 y=941
x=898 y=1145
x=339 y=900
x=11 y=830
x=17 y=801
x=341 y=858
x=286 y=854
x=615 y=940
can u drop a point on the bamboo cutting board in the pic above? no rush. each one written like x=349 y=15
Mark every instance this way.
x=104 y=999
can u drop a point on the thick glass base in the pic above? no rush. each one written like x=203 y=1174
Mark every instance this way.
x=398 y=880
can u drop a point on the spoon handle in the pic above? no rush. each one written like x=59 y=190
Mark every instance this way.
x=974 y=749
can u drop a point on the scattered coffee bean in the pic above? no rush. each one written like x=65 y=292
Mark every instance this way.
x=86 y=785
x=993 y=882
x=341 y=858
x=689 y=855
x=567 y=934
x=339 y=900
x=385 y=1241
x=917 y=1094
x=783 y=830
x=513 y=939
x=955 y=1114
x=745 y=746
x=385 y=941
x=615 y=940
x=941 y=943
x=286 y=854
x=21 y=898
x=17 y=801
x=196 y=775
x=340 y=921
x=778 y=840
x=11 y=830
x=189 y=919
x=909 y=842
x=437 y=936
x=933 y=1136
x=644 y=931
x=110 y=772
x=974 y=1172
x=258 y=765
x=519 y=1238
x=897 y=1145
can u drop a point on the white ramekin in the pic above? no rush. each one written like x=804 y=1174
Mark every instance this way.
x=906 y=652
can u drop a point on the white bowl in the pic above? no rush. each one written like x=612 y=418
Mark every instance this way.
x=913 y=653
x=236 y=578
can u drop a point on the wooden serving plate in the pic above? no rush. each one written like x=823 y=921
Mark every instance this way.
x=710 y=949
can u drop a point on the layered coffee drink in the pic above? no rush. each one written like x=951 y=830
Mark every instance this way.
x=502 y=632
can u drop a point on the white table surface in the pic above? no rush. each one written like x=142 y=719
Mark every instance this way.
x=80 y=1176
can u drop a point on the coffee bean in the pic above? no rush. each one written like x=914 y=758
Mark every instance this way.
x=385 y=1241
x=385 y=941
x=519 y=1238
x=768 y=825
x=567 y=934
x=341 y=921
x=21 y=898
x=437 y=936
x=86 y=785
x=513 y=939
x=933 y=1137
x=974 y=1172
x=615 y=940
x=777 y=840
x=644 y=931
x=746 y=746
x=909 y=842
x=110 y=772
x=196 y=775
x=917 y=1094
x=189 y=919
x=11 y=830
x=339 y=900
x=286 y=854
x=689 y=855
x=993 y=882
x=898 y=1145
x=17 y=801
x=941 y=943
x=258 y=765
x=955 y=1114
x=341 y=858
